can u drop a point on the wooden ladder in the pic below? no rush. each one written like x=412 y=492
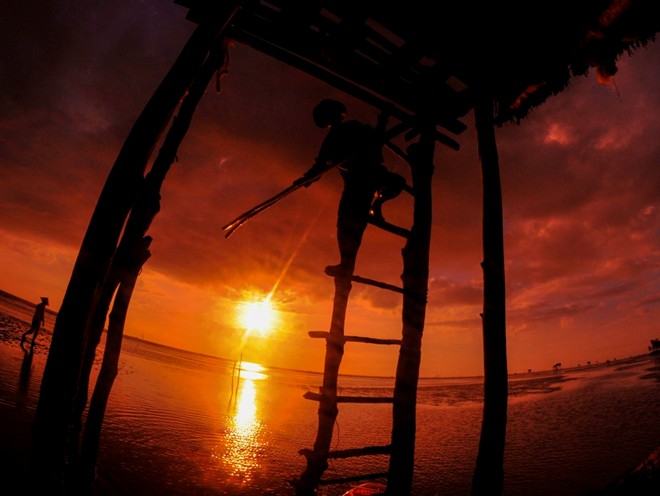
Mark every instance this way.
x=414 y=289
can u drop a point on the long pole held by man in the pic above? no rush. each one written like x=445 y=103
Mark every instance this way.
x=354 y=149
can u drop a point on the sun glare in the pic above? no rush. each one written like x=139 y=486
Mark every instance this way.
x=257 y=316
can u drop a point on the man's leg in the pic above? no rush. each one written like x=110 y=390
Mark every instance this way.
x=351 y=222
x=349 y=238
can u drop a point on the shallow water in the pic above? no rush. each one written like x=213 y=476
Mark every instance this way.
x=179 y=424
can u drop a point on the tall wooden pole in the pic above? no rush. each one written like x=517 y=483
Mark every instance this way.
x=60 y=380
x=488 y=477
x=415 y=284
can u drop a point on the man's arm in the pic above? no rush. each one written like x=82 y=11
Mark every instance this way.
x=311 y=176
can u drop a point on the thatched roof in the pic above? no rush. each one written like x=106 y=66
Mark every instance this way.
x=419 y=53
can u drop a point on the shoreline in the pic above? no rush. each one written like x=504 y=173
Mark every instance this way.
x=512 y=375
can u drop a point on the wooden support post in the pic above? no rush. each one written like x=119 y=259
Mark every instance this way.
x=415 y=284
x=317 y=459
x=489 y=473
x=60 y=381
x=83 y=480
x=142 y=214
x=147 y=206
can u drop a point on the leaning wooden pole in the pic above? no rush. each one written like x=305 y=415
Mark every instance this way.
x=142 y=214
x=147 y=205
x=415 y=283
x=62 y=372
x=488 y=477
x=82 y=482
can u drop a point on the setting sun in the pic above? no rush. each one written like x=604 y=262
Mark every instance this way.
x=257 y=316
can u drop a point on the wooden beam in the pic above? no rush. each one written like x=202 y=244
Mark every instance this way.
x=341 y=82
x=354 y=339
x=366 y=451
x=353 y=452
x=332 y=272
x=349 y=399
x=386 y=226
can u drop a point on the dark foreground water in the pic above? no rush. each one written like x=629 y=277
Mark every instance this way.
x=184 y=424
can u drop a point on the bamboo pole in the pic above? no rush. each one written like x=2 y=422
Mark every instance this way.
x=488 y=479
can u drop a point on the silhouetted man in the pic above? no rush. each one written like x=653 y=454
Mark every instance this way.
x=355 y=149
x=38 y=320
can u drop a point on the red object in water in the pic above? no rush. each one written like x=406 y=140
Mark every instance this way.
x=367 y=489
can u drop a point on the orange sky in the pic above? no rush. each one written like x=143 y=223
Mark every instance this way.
x=580 y=182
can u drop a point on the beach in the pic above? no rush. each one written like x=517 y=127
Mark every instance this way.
x=179 y=424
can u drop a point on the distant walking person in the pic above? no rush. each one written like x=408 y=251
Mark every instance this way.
x=356 y=150
x=38 y=320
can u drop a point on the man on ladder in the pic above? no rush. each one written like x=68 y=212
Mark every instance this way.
x=355 y=149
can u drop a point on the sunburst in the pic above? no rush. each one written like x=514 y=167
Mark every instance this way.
x=257 y=316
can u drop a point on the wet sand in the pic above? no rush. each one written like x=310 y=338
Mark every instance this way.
x=15 y=422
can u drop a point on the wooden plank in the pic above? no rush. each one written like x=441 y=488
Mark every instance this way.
x=350 y=399
x=386 y=226
x=355 y=339
x=366 y=451
x=352 y=452
x=354 y=478
x=334 y=271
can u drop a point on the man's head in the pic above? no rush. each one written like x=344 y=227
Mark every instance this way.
x=328 y=112
x=44 y=300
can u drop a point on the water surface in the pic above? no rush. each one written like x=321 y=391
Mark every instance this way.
x=179 y=423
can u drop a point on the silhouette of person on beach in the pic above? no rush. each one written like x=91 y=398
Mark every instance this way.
x=355 y=149
x=38 y=320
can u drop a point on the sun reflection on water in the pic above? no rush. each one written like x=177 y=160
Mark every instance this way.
x=251 y=371
x=244 y=441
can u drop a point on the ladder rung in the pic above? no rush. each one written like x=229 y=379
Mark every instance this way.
x=385 y=285
x=378 y=284
x=354 y=478
x=333 y=272
x=366 y=451
x=354 y=339
x=352 y=452
x=350 y=399
x=386 y=226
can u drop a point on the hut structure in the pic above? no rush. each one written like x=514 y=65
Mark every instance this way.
x=426 y=64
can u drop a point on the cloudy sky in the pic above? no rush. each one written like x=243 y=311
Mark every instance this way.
x=580 y=181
